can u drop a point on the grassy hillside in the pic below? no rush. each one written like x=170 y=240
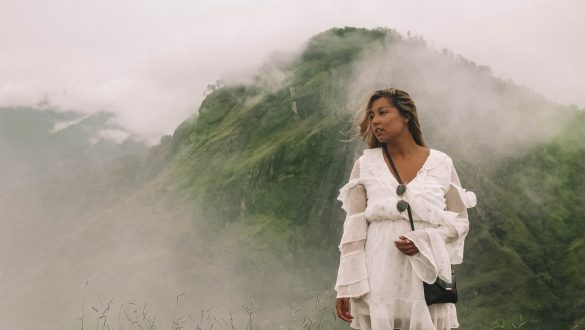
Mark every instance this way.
x=522 y=257
x=539 y=221
x=249 y=158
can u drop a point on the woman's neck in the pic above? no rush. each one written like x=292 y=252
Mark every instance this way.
x=402 y=148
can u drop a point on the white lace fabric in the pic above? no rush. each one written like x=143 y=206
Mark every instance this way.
x=385 y=285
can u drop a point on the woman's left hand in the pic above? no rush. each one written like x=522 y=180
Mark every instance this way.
x=406 y=246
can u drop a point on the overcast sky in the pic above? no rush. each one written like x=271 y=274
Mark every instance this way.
x=150 y=61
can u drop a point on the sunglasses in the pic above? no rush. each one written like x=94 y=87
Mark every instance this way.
x=402 y=204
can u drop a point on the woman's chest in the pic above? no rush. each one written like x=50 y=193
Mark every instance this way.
x=430 y=185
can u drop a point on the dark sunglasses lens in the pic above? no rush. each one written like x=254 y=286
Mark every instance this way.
x=401 y=189
x=402 y=205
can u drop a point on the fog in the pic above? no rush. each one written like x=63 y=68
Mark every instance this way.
x=457 y=104
x=150 y=63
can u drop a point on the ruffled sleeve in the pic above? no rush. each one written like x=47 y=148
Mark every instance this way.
x=442 y=246
x=352 y=277
x=458 y=200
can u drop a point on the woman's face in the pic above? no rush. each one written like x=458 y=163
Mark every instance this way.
x=387 y=122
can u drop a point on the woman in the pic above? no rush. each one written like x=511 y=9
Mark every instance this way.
x=383 y=262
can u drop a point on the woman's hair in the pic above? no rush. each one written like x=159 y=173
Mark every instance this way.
x=402 y=101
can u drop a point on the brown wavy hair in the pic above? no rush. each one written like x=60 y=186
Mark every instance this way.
x=402 y=101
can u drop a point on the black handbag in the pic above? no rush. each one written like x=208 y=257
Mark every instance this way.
x=441 y=291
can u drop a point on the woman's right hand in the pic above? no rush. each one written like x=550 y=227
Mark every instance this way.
x=343 y=305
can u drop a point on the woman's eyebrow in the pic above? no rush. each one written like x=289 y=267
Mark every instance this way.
x=380 y=107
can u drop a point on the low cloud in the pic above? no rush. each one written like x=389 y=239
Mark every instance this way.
x=150 y=63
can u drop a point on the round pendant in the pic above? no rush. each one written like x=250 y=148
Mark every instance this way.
x=402 y=205
x=401 y=189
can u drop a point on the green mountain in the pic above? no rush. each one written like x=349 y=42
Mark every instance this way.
x=241 y=199
x=272 y=163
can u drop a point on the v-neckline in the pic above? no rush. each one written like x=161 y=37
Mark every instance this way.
x=388 y=166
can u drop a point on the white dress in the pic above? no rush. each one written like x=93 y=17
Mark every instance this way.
x=385 y=285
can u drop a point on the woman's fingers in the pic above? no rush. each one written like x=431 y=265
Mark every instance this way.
x=406 y=246
x=342 y=310
x=410 y=252
x=403 y=244
x=342 y=306
x=403 y=241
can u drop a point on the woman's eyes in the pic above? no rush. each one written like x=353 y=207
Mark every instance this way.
x=371 y=114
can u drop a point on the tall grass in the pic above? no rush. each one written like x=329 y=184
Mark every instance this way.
x=319 y=315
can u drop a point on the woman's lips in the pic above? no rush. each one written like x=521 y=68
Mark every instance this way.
x=378 y=131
